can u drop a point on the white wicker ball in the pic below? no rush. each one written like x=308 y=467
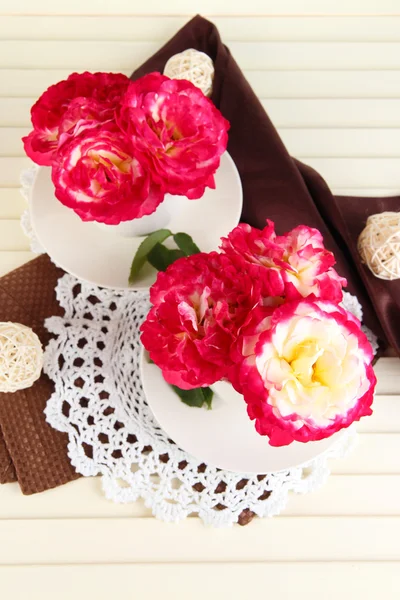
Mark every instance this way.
x=194 y=66
x=379 y=245
x=21 y=357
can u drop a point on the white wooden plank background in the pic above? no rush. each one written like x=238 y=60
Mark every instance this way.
x=327 y=581
x=328 y=73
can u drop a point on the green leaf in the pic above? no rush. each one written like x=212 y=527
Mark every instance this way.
x=158 y=257
x=161 y=257
x=175 y=254
x=196 y=398
x=157 y=237
x=186 y=243
x=208 y=396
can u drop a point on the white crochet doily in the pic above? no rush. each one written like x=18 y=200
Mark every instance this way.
x=99 y=402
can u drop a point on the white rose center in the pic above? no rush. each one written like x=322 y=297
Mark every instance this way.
x=313 y=369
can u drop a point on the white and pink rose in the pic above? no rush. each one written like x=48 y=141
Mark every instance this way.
x=99 y=177
x=299 y=258
x=96 y=93
x=199 y=306
x=304 y=370
x=178 y=131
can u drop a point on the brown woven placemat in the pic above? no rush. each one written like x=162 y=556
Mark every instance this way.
x=7 y=470
x=30 y=450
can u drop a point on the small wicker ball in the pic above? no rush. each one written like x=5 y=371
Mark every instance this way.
x=194 y=66
x=379 y=245
x=21 y=357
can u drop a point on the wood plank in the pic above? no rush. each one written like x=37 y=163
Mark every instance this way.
x=340 y=143
x=12 y=204
x=345 y=495
x=30 y=83
x=266 y=83
x=341 y=495
x=12 y=238
x=289 y=113
x=10 y=141
x=385 y=417
x=207 y=7
x=145 y=28
x=315 y=581
x=332 y=143
x=365 y=191
x=104 y=55
x=81 y=541
x=334 y=113
x=15 y=112
x=373 y=175
x=351 y=172
x=324 y=84
x=83 y=498
x=374 y=454
x=12 y=260
x=388 y=374
x=340 y=172
x=10 y=170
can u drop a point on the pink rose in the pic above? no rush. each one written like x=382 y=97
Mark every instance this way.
x=84 y=113
x=200 y=304
x=304 y=370
x=299 y=257
x=104 y=89
x=179 y=132
x=98 y=176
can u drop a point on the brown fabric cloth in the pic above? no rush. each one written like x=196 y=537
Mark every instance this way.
x=282 y=189
x=384 y=295
x=30 y=450
x=7 y=469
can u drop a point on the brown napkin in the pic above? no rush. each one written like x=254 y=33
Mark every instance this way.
x=30 y=450
x=280 y=188
x=384 y=295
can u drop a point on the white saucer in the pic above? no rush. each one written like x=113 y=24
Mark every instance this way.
x=103 y=258
x=224 y=436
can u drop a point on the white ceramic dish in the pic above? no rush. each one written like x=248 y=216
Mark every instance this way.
x=224 y=436
x=103 y=258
